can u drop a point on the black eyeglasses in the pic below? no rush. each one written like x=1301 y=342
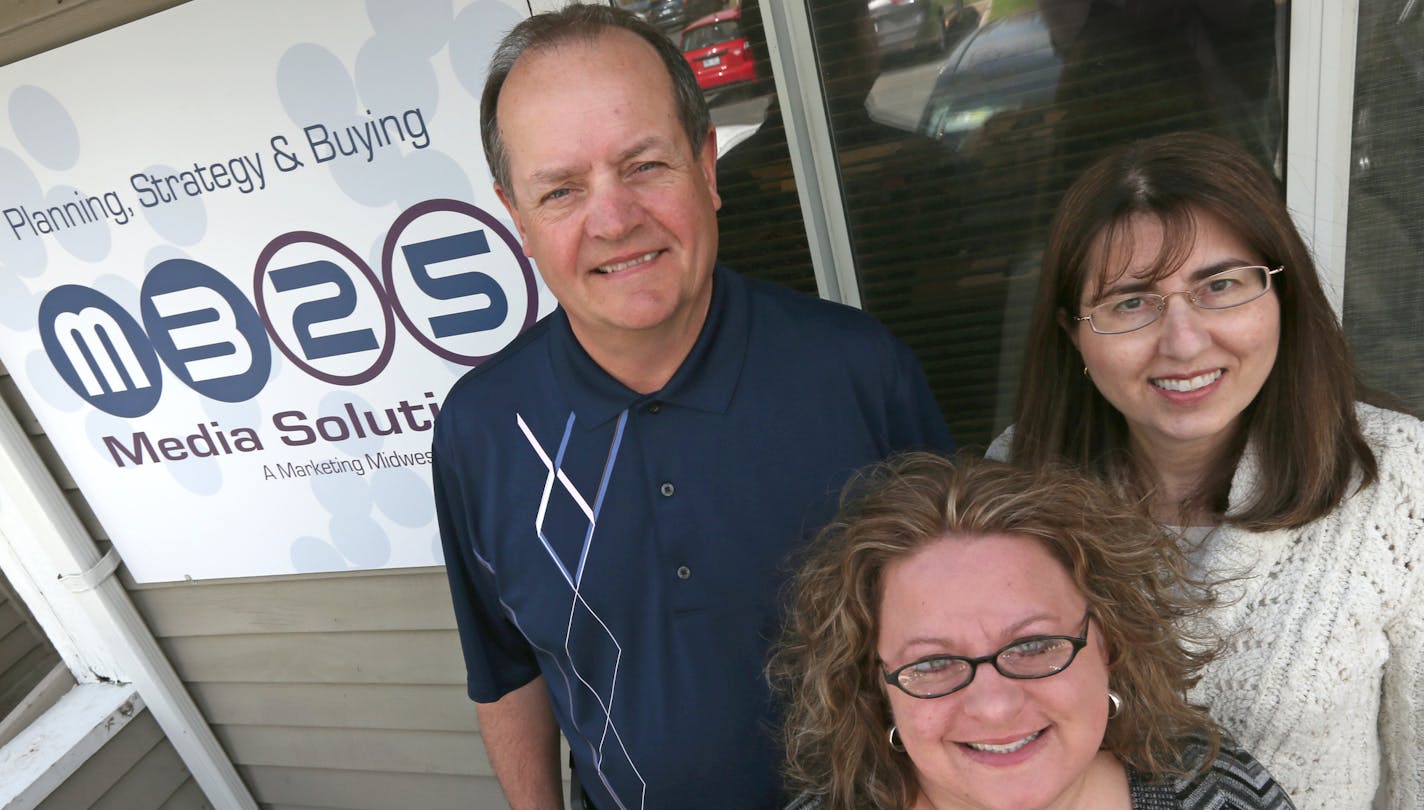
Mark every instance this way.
x=1025 y=659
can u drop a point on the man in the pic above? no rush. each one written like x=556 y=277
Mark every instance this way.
x=618 y=490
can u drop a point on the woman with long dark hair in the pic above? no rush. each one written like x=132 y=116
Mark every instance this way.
x=1183 y=349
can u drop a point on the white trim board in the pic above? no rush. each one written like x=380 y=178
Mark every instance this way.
x=1320 y=111
x=814 y=163
x=52 y=748
x=52 y=563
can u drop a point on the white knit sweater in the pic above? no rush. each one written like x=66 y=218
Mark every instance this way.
x=1323 y=675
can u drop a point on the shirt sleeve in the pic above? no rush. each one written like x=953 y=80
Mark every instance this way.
x=1002 y=444
x=498 y=658
x=915 y=419
x=1235 y=779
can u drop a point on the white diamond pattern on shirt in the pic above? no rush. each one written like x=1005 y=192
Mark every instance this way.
x=583 y=620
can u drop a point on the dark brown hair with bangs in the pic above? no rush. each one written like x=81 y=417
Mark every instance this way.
x=1303 y=419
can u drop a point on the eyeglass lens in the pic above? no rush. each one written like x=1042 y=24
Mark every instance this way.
x=1030 y=658
x=1229 y=288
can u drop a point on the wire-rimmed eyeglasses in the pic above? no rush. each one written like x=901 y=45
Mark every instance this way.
x=1129 y=312
x=1024 y=659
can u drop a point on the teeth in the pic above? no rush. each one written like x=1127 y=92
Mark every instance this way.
x=1193 y=384
x=1005 y=749
x=620 y=266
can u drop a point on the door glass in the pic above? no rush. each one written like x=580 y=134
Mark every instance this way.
x=1384 y=267
x=958 y=125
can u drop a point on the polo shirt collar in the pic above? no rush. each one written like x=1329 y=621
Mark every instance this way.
x=705 y=381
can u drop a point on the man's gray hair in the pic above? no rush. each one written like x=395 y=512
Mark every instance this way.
x=584 y=23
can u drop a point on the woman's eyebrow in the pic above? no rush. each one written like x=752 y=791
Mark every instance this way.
x=1125 y=284
x=1130 y=283
x=1217 y=267
x=1009 y=633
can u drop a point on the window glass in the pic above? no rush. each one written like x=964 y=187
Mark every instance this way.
x=762 y=230
x=763 y=233
x=672 y=17
x=1384 y=267
x=705 y=36
x=957 y=126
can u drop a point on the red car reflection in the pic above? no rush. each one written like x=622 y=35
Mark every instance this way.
x=717 y=50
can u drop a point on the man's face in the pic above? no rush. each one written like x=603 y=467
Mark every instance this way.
x=610 y=200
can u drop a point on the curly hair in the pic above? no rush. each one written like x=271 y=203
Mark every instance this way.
x=1133 y=575
x=1303 y=419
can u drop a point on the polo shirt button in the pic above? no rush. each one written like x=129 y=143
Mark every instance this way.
x=683 y=572
x=655 y=407
x=666 y=489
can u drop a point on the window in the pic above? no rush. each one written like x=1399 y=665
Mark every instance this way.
x=957 y=127
x=1384 y=269
x=705 y=36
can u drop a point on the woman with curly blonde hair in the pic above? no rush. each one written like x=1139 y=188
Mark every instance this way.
x=974 y=635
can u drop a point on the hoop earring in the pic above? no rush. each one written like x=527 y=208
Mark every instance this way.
x=898 y=747
x=1114 y=704
x=1086 y=375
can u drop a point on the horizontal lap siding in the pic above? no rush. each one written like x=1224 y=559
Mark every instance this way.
x=330 y=691
x=137 y=769
x=187 y=797
x=327 y=691
x=28 y=27
x=413 y=707
x=311 y=789
x=26 y=655
x=150 y=783
x=25 y=658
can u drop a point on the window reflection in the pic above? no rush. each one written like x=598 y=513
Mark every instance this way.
x=1384 y=272
x=955 y=140
x=907 y=26
x=762 y=231
x=718 y=51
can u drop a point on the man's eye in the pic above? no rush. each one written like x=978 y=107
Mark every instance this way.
x=647 y=166
x=556 y=194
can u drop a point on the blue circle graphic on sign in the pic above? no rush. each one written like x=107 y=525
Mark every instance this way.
x=100 y=351
x=45 y=128
x=205 y=329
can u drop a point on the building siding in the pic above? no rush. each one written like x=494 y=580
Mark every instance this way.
x=330 y=691
x=327 y=691
x=136 y=769
x=26 y=657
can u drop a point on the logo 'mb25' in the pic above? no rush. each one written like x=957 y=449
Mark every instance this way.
x=452 y=287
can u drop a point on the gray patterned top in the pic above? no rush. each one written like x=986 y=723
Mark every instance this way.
x=1235 y=781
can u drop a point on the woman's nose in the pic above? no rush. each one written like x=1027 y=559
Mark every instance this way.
x=991 y=696
x=1183 y=333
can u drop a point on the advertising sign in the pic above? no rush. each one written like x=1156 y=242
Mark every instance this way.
x=245 y=249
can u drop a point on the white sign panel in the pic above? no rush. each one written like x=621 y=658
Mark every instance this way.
x=245 y=249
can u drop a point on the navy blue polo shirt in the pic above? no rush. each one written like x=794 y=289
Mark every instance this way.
x=630 y=547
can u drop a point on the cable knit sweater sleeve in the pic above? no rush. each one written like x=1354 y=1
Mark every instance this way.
x=1323 y=675
x=1401 y=721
